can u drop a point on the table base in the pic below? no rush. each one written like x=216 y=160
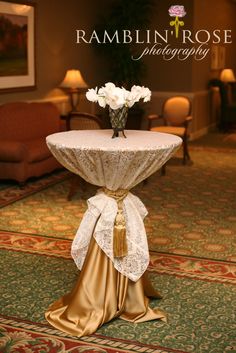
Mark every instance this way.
x=101 y=294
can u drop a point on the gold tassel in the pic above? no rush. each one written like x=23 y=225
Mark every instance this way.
x=120 y=247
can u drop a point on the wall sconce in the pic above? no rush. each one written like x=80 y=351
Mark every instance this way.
x=73 y=81
x=227 y=75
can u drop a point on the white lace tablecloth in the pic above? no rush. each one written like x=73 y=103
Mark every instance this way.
x=117 y=163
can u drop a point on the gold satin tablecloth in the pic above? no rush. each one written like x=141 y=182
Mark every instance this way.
x=101 y=294
x=109 y=286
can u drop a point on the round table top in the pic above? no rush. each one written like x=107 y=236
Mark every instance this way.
x=115 y=163
x=102 y=140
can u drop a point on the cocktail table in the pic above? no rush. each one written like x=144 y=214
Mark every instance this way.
x=110 y=247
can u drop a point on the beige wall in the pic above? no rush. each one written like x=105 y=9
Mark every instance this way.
x=214 y=14
x=210 y=15
x=191 y=75
x=191 y=78
x=171 y=75
x=57 y=51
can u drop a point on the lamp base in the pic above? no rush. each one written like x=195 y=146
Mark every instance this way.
x=74 y=99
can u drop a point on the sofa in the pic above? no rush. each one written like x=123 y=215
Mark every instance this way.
x=23 y=130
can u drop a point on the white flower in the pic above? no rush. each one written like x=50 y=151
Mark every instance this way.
x=116 y=100
x=146 y=94
x=136 y=93
x=102 y=102
x=109 y=87
x=116 y=97
x=91 y=95
x=129 y=99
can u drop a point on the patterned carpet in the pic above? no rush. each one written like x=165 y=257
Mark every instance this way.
x=216 y=140
x=198 y=296
x=11 y=192
x=191 y=209
x=191 y=230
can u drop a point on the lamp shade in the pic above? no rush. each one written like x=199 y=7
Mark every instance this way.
x=73 y=79
x=227 y=75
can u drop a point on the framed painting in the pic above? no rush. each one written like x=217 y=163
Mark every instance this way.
x=17 y=46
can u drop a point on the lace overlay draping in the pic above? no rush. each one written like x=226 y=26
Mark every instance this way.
x=102 y=211
x=115 y=164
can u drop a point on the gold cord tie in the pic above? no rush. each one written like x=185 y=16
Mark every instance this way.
x=120 y=247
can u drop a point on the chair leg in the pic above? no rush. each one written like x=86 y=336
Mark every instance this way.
x=74 y=184
x=185 y=150
x=163 y=170
x=72 y=190
x=145 y=181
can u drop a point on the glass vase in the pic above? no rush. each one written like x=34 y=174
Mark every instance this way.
x=118 y=119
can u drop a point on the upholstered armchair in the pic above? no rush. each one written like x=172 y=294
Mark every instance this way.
x=175 y=120
x=23 y=130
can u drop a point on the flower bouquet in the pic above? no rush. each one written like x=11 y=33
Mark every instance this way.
x=119 y=100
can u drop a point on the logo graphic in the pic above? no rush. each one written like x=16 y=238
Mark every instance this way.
x=194 y=44
x=177 y=11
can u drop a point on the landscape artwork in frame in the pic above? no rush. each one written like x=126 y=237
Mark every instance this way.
x=17 y=47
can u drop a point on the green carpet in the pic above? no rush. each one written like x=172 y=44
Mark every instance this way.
x=201 y=316
x=191 y=230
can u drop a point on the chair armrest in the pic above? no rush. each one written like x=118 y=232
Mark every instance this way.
x=151 y=118
x=187 y=121
x=189 y=118
x=154 y=117
x=13 y=151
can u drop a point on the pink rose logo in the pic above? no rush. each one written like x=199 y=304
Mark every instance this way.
x=177 y=11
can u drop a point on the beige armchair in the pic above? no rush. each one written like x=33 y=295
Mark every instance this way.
x=176 y=118
x=81 y=121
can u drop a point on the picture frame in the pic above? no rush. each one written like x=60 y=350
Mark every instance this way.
x=17 y=46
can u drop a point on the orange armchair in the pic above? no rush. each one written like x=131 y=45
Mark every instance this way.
x=176 y=116
x=23 y=130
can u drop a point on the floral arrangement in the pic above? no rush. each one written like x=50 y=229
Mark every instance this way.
x=118 y=97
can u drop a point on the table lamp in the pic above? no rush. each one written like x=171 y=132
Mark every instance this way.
x=73 y=81
x=227 y=75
